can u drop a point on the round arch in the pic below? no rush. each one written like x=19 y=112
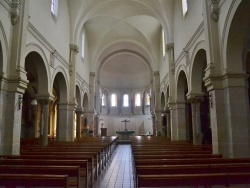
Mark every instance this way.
x=36 y=49
x=163 y=101
x=198 y=72
x=85 y=102
x=61 y=75
x=121 y=52
x=60 y=86
x=181 y=85
x=3 y=50
x=236 y=36
x=37 y=72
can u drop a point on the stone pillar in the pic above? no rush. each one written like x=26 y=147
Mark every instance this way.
x=33 y=120
x=96 y=124
x=92 y=111
x=181 y=121
x=157 y=102
x=44 y=123
x=11 y=129
x=171 y=100
x=196 y=120
x=79 y=113
x=168 y=124
x=10 y=125
x=154 y=124
x=62 y=123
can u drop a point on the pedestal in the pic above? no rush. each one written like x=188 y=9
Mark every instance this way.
x=103 y=131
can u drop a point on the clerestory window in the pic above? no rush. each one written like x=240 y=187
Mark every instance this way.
x=113 y=100
x=125 y=100
x=54 y=7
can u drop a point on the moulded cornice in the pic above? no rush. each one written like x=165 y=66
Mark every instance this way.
x=190 y=43
x=34 y=32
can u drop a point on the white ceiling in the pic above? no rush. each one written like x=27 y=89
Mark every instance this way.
x=132 y=26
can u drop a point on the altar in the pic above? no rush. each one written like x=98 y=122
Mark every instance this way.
x=125 y=134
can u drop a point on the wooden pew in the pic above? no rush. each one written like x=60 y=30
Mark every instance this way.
x=83 y=164
x=73 y=172
x=59 y=157
x=190 y=161
x=28 y=180
x=179 y=180
x=191 y=169
x=176 y=156
x=83 y=155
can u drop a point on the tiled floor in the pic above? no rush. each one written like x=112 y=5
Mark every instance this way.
x=118 y=173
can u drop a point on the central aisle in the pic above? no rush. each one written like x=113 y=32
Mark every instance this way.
x=119 y=172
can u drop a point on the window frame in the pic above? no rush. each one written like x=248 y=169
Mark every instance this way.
x=125 y=102
x=137 y=99
x=184 y=7
x=113 y=100
x=54 y=7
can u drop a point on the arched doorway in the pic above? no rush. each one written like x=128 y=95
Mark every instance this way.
x=32 y=124
x=85 y=109
x=61 y=107
x=235 y=44
x=200 y=100
x=184 y=126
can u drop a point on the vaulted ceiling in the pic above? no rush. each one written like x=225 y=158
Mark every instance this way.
x=123 y=38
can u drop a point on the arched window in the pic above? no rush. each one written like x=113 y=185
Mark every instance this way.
x=137 y=99
x=83 y=42
x=125 y=100
x=113 y=99
x=184 y=7
x=103 y=100
x=147 y=99
x=163 y=42
x=54 y=7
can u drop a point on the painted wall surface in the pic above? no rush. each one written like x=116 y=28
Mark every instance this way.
x=83 y=63
x=56 y=30
x=141 y=124
x=188 y=23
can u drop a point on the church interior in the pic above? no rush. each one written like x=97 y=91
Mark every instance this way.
x=137 y=77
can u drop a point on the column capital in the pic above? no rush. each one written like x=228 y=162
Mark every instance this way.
x=196 y=99
x=74 y=48
x=169 y=46
x=44 y=99
x=79 y=112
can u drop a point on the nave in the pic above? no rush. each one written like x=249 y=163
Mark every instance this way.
x=119 y=172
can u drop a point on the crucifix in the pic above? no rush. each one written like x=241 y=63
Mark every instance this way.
x=125 y=121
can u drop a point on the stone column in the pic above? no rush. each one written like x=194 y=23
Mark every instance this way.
x=79 y=113
x=168 y=124
x=196 y=120
x=171 y=100
x=44 y=123
x=154 y=124
x=96 y=124
x=10 y=125
x=62 y=123
x=181 y=121
x=92 y=111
